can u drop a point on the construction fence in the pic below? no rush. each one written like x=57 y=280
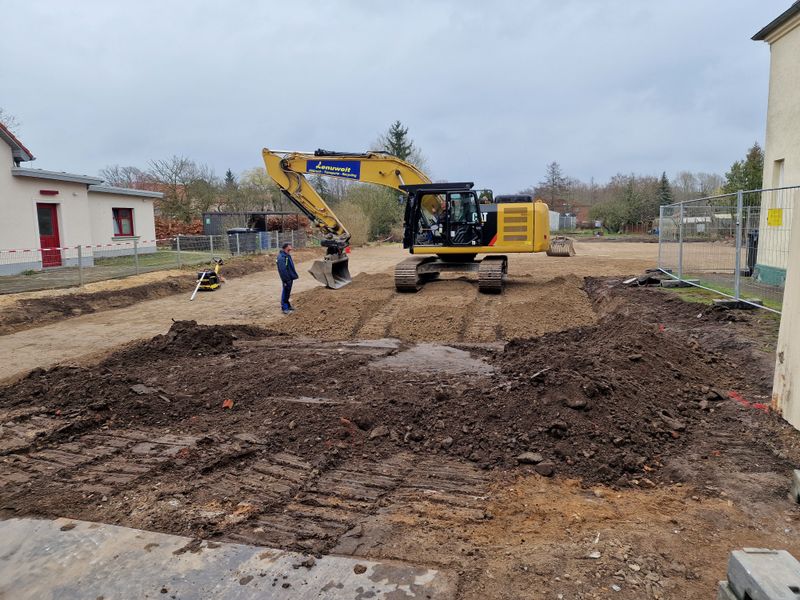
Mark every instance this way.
x=34 y=269
x=736 y=245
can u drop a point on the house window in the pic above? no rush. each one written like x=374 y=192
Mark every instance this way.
x=123 y=221
x=777 y=173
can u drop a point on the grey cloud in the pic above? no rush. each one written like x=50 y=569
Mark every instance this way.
x=491 y=91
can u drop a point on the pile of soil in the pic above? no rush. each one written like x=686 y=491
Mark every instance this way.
x=608 y=403
x=188 y=338
x=445 y=311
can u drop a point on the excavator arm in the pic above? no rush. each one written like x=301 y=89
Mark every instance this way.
x=288 y=170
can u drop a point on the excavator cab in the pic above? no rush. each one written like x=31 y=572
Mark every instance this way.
x=442 y=214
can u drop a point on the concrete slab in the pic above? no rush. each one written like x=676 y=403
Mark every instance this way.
x=68 y=559
x=678 y=283
x=724 y=592
x=760 y=574
x=435 y=358
x=747 y=304
x=795 y=489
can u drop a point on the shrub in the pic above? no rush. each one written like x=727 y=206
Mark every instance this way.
x=356 y=222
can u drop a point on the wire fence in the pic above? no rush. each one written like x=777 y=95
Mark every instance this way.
x=736 y=245
x=27 y=270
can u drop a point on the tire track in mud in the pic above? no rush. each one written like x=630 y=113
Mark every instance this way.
x=378 y=324
x=443 y=311
x=350 y=508
x=483 y=324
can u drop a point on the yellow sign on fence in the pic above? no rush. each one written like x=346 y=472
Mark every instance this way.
x=775 y=217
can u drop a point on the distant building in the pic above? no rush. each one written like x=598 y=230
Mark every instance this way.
x=782 y=145
x=52 y=210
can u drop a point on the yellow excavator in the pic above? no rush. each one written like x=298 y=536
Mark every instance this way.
x=445 y=225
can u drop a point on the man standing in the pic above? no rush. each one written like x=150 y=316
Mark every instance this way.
x=288 y=274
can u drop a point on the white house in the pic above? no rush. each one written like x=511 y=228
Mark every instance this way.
x=51 y=210
x=781 y=149
x=782 y=168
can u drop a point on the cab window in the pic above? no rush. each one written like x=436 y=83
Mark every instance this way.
x=464 y=208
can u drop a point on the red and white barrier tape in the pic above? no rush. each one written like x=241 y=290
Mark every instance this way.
x=118 y=244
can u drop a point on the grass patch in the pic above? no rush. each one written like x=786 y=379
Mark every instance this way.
x=161 y=258
x=702 y=296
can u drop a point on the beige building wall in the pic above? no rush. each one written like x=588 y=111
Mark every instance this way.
x=101 y=205
x=782 y=151
x=18 y=199
x=21 y=231
x=782 y=147
x=782 y=168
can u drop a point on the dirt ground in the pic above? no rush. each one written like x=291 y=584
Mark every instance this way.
x=250 y=299
x=568 y=439
x=34 y=309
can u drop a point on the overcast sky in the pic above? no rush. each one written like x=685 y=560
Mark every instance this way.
x=491 y=91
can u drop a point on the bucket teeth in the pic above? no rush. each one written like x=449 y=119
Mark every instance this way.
x=561 y=246
x=332 y=273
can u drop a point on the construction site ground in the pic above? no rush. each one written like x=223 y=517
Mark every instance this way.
x=572 y=438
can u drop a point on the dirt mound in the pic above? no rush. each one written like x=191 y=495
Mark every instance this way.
x=370 y=447
x=612 y=402
x=445 y=311
x=187 y=338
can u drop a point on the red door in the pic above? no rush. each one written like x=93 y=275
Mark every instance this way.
x=48 y=234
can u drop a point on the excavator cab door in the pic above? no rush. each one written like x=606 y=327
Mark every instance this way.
x=410 y=220
x=463 y=222
x=426 y=221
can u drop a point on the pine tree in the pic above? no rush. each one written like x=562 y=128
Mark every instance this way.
x=746 y=174
x=554 y=187
x=396 y=141
x=664 y=190
x=230 y=179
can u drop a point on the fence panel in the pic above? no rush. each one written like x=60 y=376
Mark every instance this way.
x=735 y=244
x=34 y=269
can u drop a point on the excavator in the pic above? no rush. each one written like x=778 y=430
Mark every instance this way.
x=445 y=226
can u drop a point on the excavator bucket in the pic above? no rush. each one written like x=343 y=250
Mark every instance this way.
x=561 y=246
x=333 y=273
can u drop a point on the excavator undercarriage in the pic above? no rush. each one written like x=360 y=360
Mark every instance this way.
x=414 y=272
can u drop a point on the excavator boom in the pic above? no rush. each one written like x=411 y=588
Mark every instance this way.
x=287 y=169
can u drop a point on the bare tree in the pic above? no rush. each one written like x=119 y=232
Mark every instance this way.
x=10 y=121
x=128 y=177
x=256 y=191
x=189 y=189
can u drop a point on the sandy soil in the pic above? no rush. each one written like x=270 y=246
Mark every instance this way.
x=254 y=299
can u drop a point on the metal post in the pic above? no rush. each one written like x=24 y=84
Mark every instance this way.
x=660 y=228
x=80 y=266
x=737 y=277
x=211 y=245
x=178 y=247
x=680 y=242
x=238 y=248
x=136 y=254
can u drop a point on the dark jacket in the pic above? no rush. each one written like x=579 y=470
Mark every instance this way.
x=286 y=267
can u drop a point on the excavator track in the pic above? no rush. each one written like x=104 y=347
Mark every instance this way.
x=490 y=274
x=406 y=277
